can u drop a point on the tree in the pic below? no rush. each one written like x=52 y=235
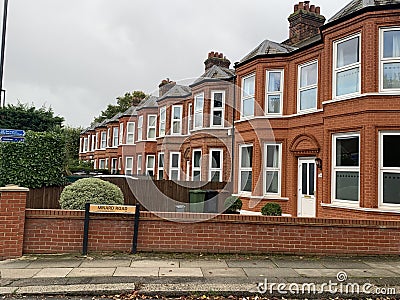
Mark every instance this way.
x=123 y=103
x=25 y=117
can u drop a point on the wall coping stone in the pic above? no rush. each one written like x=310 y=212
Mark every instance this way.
x=13 y=188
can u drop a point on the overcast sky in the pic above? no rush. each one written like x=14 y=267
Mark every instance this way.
x=77 y=56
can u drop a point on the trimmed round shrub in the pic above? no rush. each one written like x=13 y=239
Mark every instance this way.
x=90 y=190
x=271 y=209
x=232 y=204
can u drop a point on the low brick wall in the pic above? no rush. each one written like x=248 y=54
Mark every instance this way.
x=57 y=231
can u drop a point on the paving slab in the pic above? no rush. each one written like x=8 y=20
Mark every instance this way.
x=18 y=273
x=223 y=272
x=318 y=272
x=343 y=264
x=370 y=273
x=250 y=264
x=203 y=264
x=150 y=263
x=105 y=263
x=181 y=272
x=54 y=263
x=7 y=290
x=297 y=264
x=14 y=264
x=53 y=273
x=78 y=288
x=270 y=272
x=91 y=272
x=136 y=272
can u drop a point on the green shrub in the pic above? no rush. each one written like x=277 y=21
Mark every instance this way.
x=90 y=190
x=232 y=204
x=271 y=209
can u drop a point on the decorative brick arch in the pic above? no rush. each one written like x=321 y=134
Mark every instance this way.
x=304 y=144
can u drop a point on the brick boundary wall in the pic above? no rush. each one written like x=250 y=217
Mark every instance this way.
x=59 y=231
x=12 y=220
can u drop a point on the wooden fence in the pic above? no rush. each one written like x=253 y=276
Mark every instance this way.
x=153 y=195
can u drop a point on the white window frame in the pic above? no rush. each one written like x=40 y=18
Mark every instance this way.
x=306 y=88
x=153 y=127
x=126 y=165
x=198 y=112
x=149 y=168
x=81 y=145
x=383 y=60
x=194 y=168
x=188 y=170
x=162 y=121
x=139 y=162
x=120 y=163
x=130 y=134
x=346 y=68
x=102 y=164
x=274 y=93
x=114 y=166
x=345 y=168
x=95 y=164
x=171 y=168
x=215 y=109
x=103 y=142
x=159 y=167
x=383 y=169
x=93 y=143
x=140 y=129
x=115 y=136
x=273 y=169
x=190 y=124
x=244 y=169
x=97 y=141
x=211 y=169
x=108 y=137
x=176 y=120
x=85 y=144
x=107 y=163
x=248 y=97
x=121 y=133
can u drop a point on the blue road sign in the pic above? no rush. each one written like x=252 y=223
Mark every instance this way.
x=12 y=139
x=12 y=132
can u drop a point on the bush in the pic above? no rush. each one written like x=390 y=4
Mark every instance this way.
x=90 y=190
x=271 y=209
x=232 y=204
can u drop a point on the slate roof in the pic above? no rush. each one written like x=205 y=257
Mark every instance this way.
x=268 y=47
x=215 y=73
x=177 y=91
x=115 y=118
x=131 y=111
x=149 y=102
x=356 y=5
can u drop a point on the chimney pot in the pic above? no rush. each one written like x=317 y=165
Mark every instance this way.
x=221 y=55
x=211 y=54
x=296 y=7
x=318 y=10
x=307 y=5
x=312 y=8
x=301 y=5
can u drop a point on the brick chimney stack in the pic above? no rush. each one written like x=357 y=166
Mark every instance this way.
x=216 y=59
x=165 y=86
x=304 y=22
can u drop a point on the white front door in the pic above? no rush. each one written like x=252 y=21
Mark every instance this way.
x=306 y=187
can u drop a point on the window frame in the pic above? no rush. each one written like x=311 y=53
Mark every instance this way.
x=171 y=168
x=103 y=141
x=85 y=144
x=176 y=120
x=382 y=170
x=115 y=136
x=336 y=70
x=190 y=122
x=93 y=143
x=102 y=161
x=306 y=88
x=194 y=168
x=126 y=166
x=130 y=133
x=198 y=112
x=336 y=169
x=244 y=169
x=162 y=121
x=97 y=141
x=147 y=165
x=121 y=134
x=109 y=137
x=153 y=127
x=383 y=60
x=273 y=169
x=114 y=166
x=160 y=168
x=139 y=161
x=215 y=109
x=140 y=129
x=211 y=169
x=244 y=98
x=280 y=92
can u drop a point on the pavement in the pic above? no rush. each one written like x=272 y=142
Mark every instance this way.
x=185 y=274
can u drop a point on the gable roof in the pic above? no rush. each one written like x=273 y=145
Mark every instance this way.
x=268 y=47
x=177 y=91
x=357 y=5
x=215 y=73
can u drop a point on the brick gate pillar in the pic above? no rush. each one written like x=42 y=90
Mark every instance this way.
x=12 y=220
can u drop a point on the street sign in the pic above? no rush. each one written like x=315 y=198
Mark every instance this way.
x=12 y=139
x=12 y=132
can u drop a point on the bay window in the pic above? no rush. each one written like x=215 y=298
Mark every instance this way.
x=308 y=87
x=140 y=129
x=129 y=166
x=115 y=136
x=216 y=163
x=245 y=168
x=121 y=133
x=103 y=143
x=273 y=105
x=160 y=166
x=151 y=127
x=150 y=160
x=163 y=117
x=198 y=110
x=248 y=96
x=130 y=133
x=217 y=108
x=196 y=165
x=272 y=169
x=174 y=166
x=139 y=164
x=390 y=59
x=176 y=119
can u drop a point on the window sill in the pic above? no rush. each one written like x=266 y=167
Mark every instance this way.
x=378 y=210
x=269 y=197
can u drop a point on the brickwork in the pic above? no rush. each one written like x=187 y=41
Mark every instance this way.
x=12 y=220
x=50 y=231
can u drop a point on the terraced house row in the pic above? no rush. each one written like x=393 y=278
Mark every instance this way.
x=311 y=123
